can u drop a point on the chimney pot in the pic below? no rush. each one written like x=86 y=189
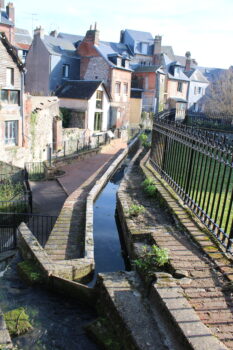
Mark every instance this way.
x=39 y=31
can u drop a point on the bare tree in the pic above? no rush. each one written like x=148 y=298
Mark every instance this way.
x=219 y=95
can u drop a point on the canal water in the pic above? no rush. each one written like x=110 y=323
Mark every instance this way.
x=110 y=252
x=58 y=322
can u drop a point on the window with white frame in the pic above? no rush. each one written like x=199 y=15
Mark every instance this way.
x=9 y=96
x=11 y=132
x=118 y=88
x=10 y=76
x=98 y=121
x=125 y=88
x=99 y=99
x=144 y=48
x=199 y=90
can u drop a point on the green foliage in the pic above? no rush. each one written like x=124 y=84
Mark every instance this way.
x=65 y=115
x=149 y=187
x=152 y=259
x=10 y=190
x=30 y=271
x=17 y=321
x=144 y=140
x=135 y=210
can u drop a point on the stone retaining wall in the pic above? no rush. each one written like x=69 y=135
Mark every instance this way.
x=72 y=269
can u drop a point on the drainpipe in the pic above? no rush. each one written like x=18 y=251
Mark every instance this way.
x=22 y=102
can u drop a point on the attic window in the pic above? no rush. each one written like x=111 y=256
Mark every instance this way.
x=144 y=48
x=65 y=70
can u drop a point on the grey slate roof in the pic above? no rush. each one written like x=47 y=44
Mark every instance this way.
x=22 y=36
x=71 y=37
x=152 y=68
x=196 y=75
x=182 y=60
x=4 y=19
x=58 y=46
x=140 y=36
x=105 y=48
x=212 y=74
x=80 y=89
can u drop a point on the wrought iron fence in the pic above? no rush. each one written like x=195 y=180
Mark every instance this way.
x=75 y=146
x=34 y=171
x=210 y=121
x=15 y=192
x=40 y=225
x=199 y=166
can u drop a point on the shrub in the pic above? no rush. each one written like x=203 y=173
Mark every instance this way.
x=135 y=210
x=152 y=259
x=149 y=187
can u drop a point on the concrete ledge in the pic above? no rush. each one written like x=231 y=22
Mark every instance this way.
x=178 y=311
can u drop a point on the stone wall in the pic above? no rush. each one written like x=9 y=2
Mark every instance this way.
x=42 y=126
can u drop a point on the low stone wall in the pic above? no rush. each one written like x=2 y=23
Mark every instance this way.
x=5 y=339
x=72 y=269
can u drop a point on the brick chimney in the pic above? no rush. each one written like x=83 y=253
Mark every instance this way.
x=157 y=49
x=92 y=36
x=39 y=32
x=10 y=10
x=188 y=61
x=2 y=4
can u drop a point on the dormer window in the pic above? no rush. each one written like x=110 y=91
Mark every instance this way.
x=65 y=70
x=144 y=48
x=177 y=70
x=119 y=61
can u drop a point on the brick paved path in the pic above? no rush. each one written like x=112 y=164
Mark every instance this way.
x=66 y=240
x=205 y=286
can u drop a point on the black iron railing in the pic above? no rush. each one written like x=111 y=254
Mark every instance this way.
x=199 y=166
x=34 y=171
x=212 y=121
x=40 y=225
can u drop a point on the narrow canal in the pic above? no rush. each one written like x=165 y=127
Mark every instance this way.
x=58 y=322
x=110 y=252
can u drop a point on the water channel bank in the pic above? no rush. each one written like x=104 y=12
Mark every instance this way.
x=39 y=305
x=58 y=321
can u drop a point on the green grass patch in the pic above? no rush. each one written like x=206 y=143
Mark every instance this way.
x=135 y=210
x=151 y=259
x=30 y=272
x=17 y=321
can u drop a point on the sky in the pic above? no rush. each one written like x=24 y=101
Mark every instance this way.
x=203 y=27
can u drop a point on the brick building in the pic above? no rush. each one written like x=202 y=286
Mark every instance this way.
x=19 y=38
x=11 y=87
x=108 y=62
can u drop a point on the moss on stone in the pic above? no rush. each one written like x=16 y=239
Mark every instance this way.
x=17 y=321
x=30 y=272
x=101 y=331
